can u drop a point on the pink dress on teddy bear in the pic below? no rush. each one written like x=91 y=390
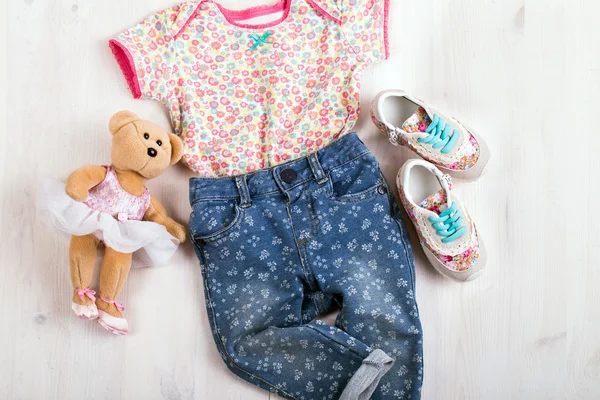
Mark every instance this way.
x=114 y=216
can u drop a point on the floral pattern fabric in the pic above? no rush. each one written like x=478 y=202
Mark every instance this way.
x=418 y=122
x=288 y=244
x=437 y=203
x=465 y=157
x=246 y=97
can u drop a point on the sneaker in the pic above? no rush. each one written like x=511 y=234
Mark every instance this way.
x=435 y=137
x=446 y=231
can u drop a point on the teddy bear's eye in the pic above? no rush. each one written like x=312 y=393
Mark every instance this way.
x=159 y=142
x=146 y=136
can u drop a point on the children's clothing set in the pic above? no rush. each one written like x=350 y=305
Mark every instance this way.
x=292 y=217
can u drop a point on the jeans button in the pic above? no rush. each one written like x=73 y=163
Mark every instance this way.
x=382 y=190
x=200 y=242
x=288 y=175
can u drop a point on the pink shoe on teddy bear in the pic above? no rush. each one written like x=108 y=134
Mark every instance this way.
x=85 y=311
x=116 y=325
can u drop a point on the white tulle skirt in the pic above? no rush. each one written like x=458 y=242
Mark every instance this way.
x=149 y=242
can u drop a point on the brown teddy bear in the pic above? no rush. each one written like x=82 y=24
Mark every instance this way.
x=111 y=205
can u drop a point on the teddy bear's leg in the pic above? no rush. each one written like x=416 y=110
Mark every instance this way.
x=115 y=268
x=82 y=259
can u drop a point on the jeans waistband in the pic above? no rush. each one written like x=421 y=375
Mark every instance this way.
x=282 y=177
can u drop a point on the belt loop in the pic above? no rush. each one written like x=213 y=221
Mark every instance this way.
x=242 y=185
x=317 y=169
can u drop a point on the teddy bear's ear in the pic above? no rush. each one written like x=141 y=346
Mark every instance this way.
x=121 y=119
x=176 y=148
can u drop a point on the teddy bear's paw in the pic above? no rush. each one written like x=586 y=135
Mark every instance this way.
x=177 y=230
x=86 y=312
x=118 y=326
x=77 y=194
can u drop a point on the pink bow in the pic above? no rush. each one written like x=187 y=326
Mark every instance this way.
x=86 y=292
x=119 y=306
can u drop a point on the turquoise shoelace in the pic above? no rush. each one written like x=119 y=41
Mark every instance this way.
x=439 y=135
x=449 y=224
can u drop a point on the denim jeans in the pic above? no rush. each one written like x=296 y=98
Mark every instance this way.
x=281 y=246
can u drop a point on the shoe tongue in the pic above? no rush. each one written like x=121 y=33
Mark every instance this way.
x=436 y=203
x=418 y=122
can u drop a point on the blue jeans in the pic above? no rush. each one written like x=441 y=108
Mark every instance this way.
x=281 y=246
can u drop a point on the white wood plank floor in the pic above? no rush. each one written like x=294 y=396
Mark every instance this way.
x=524 y=73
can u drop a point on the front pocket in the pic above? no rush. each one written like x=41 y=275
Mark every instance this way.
x=212 y=219
x=357 y=180
x=365 y=195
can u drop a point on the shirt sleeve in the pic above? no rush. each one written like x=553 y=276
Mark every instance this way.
x=365 y=25
x=146 y=52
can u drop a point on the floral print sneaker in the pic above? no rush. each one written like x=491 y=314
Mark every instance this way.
x=435 y=137
x=446 y=231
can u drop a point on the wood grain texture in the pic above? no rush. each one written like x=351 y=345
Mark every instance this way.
x=523 y=73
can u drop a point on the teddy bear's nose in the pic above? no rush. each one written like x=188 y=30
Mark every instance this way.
x=152 y=152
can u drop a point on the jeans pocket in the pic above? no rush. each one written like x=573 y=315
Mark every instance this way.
x=357 y=180
x=213 y=219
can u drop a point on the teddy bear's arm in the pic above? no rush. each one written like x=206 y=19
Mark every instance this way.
x=82 y=180
x=157 y=213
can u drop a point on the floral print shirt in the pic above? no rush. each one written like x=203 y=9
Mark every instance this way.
x=249 y=96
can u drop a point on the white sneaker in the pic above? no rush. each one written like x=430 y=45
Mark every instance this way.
x=434 y=136
x=446 y=231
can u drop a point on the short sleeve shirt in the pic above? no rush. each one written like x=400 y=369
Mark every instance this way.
x=244 y=95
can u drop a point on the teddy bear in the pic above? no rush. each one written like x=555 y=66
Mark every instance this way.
x=110 y=205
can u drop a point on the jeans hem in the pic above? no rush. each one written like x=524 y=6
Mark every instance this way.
x=366 y=379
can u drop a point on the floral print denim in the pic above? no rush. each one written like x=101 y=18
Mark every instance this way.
x=281 y=246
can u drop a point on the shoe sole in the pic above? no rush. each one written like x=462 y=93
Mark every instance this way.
x=469 y=275
x=111 y=329
x=108 y=327
x=84 y=318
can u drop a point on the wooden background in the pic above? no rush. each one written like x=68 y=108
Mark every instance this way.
x=524 y=73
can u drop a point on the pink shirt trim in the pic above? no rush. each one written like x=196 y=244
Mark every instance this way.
x=125 y=61
x=232 y=16
x=386 y=13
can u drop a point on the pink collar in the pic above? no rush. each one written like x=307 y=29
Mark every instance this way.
x=232 y=16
